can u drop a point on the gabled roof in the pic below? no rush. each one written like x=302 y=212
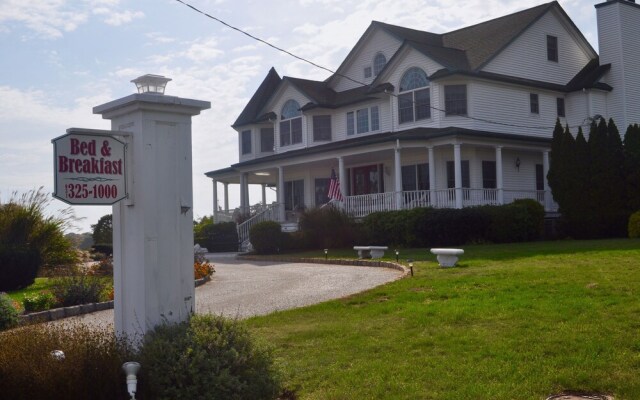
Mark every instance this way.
x=483 y=41
x=259 y=99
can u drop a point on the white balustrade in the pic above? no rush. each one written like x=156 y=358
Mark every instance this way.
x=270 y=212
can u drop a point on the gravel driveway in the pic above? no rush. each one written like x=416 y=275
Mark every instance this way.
x=247 y=288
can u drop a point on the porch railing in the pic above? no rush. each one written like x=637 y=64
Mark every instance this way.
x=363 y=205
x=270 y=212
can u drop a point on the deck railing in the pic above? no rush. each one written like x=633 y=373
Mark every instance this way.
x=363 y=205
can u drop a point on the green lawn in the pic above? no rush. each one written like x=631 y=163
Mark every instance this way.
x=40 y=284
x=518 y=321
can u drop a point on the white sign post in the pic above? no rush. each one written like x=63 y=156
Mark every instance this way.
x=89 y=167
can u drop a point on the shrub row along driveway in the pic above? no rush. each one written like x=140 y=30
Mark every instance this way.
x=247 y=288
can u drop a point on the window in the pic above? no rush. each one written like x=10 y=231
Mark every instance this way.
x=375 y=118
x=246 y=142
x=290 y=124
x=533 y=103
x=321 y=191
x=539 y=177
x=367 y=72
x=293 y=195
x=489 y=175
x=560 y=106
x=552 y=48
x=363 y=120
x=321 y=128
x=266 y=140
x=451 y=174
x=416 y=103
x=415 y=177
x=455 y=99
x=379 y=61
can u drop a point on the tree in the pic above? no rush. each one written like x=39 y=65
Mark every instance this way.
x=632 y=166
x=103 y=234
x=29 y=238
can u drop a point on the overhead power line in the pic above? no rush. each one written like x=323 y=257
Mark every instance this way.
x=363 y=84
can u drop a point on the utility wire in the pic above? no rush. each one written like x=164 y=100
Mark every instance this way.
x=362 y=84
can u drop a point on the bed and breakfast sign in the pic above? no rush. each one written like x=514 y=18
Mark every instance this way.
x=89 y=167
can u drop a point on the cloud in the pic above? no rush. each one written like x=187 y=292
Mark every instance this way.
x=124 y=17
x=47 y=19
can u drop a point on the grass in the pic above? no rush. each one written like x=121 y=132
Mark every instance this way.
x=39 y=285
x=518 y=321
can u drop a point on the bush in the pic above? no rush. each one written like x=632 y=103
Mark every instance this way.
x=209 y=357
x=91 y=368
x=18 y=267
x=41 y=301
x=103 y=267
x=327 y=227
x=216 y=237
x=8 y=313
x=202 y=269
x=426 y=227
x=266 y=237
x=634 y=225
x=78 y=289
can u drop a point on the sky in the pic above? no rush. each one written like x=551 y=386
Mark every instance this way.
x=61 y=58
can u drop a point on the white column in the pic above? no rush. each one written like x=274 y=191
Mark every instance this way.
x=153 y=234
x=226 y=197
x=264 y=194
x=432 y=176
x=499 y=178
x=342 y=176
x=280 y=193
x=244 y=207
x=457 y=163
x=215 y=201
x=547 y=190
x=398 y=176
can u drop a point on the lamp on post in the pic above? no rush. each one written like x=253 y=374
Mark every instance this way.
x=397 y=255
x=326 y=251
x=149 y=83
x=131 y=369
x=410 y=261
x=518 y=163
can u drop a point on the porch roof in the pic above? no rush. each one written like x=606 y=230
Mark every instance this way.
x=386 y=137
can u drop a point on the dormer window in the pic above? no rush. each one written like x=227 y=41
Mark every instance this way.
x=414 y=100
x=552 y=48
x=379 y=61
x=290 y=123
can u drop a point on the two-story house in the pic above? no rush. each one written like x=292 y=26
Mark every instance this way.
x=412 y=118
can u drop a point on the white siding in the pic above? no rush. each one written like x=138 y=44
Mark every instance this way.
x=618 y=37
x=599 y=103
x=379 y=41
x=577 y=109
x=509 y=105
x=523 y=178
x=276 y=104
x=526 y=57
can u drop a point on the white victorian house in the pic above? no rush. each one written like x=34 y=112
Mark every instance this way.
x=413 y=118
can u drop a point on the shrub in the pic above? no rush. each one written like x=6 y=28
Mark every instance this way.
x=266 y=237
x=216 y=237
x=18 y=267
x=103 y=267
x=326 y=227
x=78 y=289
x=634 y=225
x=41 y=301
x=8 y=313
x=209 y=357
x=91 y=368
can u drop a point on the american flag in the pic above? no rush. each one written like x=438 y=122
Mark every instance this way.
x=334 y=187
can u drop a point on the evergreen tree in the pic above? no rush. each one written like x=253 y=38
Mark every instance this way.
x=557 y=167
x=632 y=166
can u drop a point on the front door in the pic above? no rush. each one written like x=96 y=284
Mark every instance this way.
x=367 y=180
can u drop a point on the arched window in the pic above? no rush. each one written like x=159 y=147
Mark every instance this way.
x=290 y=123
x=414 y=100
x=379 y=61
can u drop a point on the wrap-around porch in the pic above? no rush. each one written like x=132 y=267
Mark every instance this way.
x=390 y=177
